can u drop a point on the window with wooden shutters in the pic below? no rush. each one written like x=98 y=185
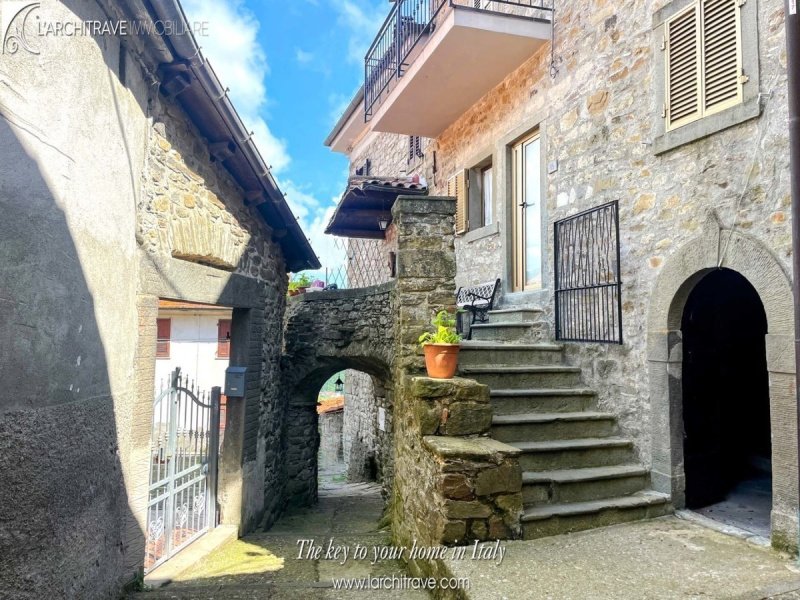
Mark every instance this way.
x=224 y=338
x=457 y=187
x=163 y=335
x=703 y=61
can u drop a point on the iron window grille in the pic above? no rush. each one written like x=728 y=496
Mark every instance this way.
x=588 y=287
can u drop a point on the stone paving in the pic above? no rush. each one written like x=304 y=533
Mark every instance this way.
x=660 y=559
x=264 y=565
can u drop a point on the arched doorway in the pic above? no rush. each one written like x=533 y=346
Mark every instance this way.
x=680 y=274
x=726 y=417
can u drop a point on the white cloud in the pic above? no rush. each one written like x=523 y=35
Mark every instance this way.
x=361 y=20
x=303 y=57
x=240 y=63
x=313 y=215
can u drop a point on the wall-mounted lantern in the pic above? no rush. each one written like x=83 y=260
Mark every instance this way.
x=338 y=385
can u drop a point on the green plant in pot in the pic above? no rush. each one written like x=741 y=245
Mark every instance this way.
x=441 y=346
x=299 y=284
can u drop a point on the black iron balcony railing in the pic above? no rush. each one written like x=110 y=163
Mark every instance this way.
x=410 y=22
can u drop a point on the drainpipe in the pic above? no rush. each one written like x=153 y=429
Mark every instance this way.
x=793 y=67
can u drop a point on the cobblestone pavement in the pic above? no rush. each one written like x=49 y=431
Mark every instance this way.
x=265 y=565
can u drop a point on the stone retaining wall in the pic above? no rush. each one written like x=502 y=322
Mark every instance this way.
x=455 y=484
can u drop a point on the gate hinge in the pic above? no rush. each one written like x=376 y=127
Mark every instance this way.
x=663 y=111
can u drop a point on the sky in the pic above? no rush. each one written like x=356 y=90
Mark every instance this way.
x=292 y=67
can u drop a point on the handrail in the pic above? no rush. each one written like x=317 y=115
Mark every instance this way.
x=409 y=22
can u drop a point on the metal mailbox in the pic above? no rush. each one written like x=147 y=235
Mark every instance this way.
x=234 y=382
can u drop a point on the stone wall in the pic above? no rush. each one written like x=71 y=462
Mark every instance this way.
x=360 y=423
x=70 y=156
x=330 y=434
x=120 y=185
x=468 y=487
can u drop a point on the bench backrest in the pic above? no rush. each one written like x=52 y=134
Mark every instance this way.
x=486 y=292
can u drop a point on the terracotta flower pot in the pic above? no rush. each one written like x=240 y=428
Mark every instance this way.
x=441 y=360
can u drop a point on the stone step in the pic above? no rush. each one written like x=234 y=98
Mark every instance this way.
x=556 y=519
x=540 y=426
x=582 y=485
x=515 y=377
x=480 y=353
x=522 y=401
x=574 y=454
x=516 y=315
x=511 y=332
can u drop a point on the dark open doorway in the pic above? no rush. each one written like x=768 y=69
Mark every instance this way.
x=727 y=446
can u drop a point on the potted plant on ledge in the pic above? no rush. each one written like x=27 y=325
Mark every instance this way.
x=299 y=284
x=441 y=346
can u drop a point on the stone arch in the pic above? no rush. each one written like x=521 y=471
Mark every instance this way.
x=680 y=274
x=328 y=332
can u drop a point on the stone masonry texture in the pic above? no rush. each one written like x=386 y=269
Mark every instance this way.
x=110 y=201
x=598 y=117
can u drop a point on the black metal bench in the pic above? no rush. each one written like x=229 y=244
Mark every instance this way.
x=477 y=300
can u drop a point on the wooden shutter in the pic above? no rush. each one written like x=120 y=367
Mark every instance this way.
x=703 y=61
x=683 y=61
x=457 y=187
x=163 y=334
x=224 y=338
x=721 y=55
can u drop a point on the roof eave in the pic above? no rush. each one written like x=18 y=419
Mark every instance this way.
x=252 y=170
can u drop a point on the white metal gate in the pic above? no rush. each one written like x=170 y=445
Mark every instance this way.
x=184 y=451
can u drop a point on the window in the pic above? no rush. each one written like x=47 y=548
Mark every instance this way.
x=487 y=207
x=163 y=334
x=472 y=189
x=704 y=66
x=224 y=338
x=706 y=82
x=415 y=149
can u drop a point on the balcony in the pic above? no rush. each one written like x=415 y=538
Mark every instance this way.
x=433 y=59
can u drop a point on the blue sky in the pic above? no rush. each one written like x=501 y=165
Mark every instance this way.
x=292 y=66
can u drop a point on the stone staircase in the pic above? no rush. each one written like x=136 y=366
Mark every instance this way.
x=578 y=471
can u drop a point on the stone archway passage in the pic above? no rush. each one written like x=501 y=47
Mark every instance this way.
x=726 y=446
x=678 y=278
x=328 y=332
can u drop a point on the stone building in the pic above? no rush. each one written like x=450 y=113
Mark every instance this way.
x=126 y=177
x=651 y=135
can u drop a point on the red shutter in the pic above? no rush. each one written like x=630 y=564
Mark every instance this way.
x=224 y=338
x=163 y=333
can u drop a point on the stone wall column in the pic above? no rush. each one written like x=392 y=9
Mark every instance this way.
x=426 y=270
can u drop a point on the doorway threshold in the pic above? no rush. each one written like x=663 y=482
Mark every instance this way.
x=183 y=560
x=726 y=528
